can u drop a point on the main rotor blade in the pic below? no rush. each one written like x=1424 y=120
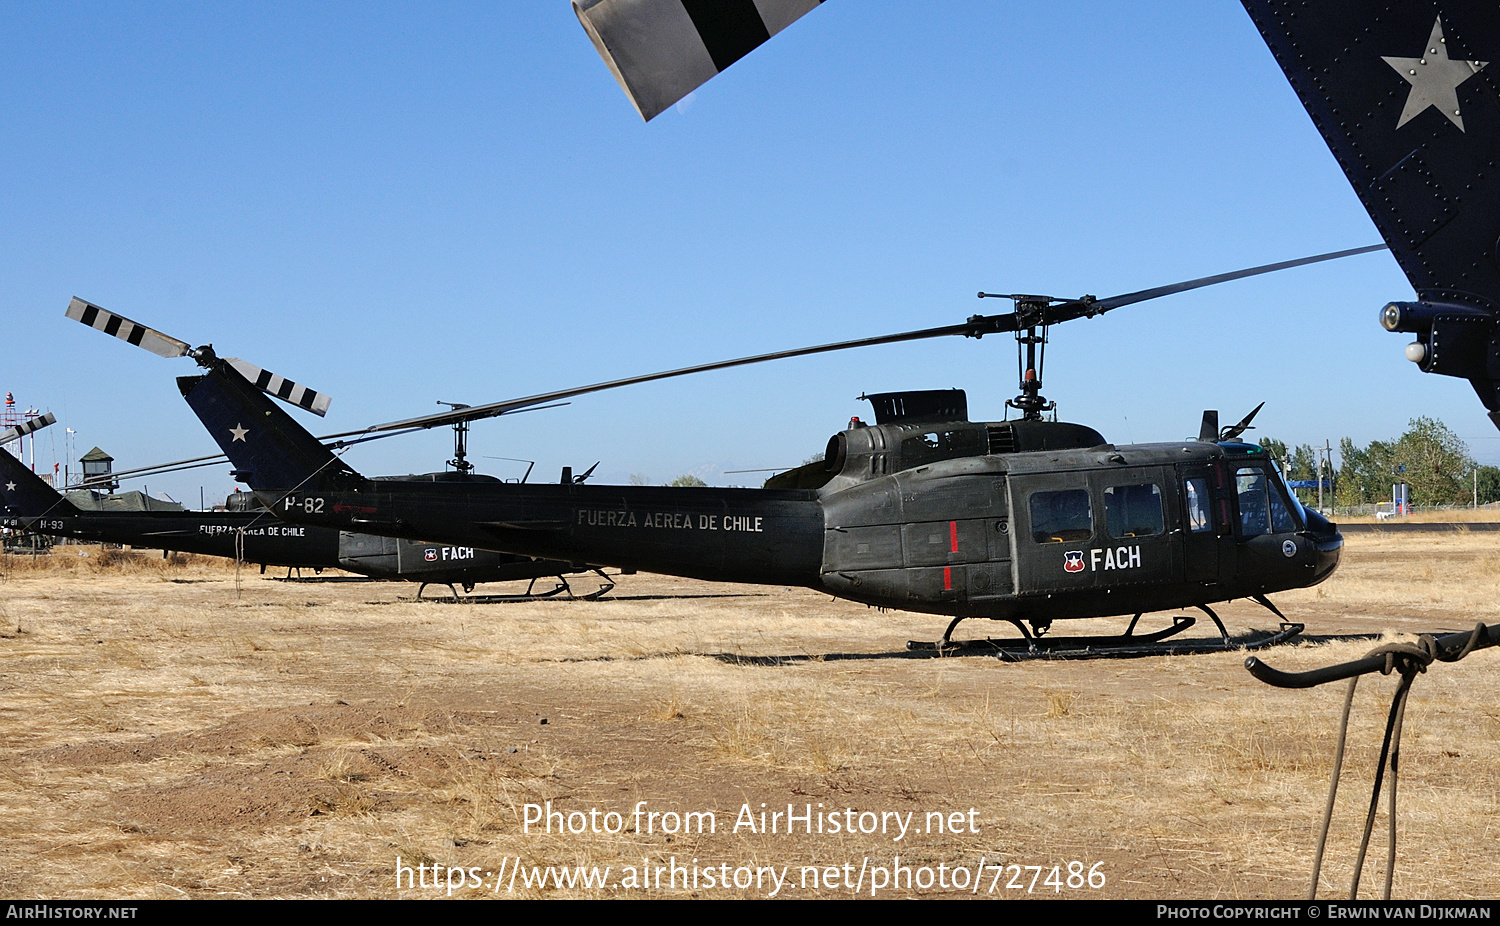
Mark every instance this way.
x=334 y=441
x=661 y=50
x=126 y=330
x=500 y=408
x=977 y=326
x=1114 y=302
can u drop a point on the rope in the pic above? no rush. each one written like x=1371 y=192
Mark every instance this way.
x=1407 y=660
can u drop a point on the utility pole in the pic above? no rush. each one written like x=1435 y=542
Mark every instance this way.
x=1325 y=458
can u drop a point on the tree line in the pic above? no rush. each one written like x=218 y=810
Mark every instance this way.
x=1433 y=462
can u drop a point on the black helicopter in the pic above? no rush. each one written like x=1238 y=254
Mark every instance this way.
x=247 y=532
x=1406 y=95
x=1026 y=521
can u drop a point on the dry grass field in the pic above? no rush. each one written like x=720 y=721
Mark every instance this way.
x=172 y=730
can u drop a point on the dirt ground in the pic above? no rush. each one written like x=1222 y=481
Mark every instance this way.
x=177 y=731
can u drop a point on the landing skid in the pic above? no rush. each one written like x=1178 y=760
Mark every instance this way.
x=1255 y=640
x=531 y=594
x=1180 y=622
x=1035 y=644
x=563 y=588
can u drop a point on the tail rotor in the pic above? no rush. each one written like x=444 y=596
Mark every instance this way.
x=164 y=345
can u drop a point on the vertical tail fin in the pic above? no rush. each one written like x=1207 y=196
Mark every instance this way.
x=23 y=494
x=270 y=451
x=1407 y=96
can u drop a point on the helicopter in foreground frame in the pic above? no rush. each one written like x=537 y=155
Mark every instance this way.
x=1027 y=521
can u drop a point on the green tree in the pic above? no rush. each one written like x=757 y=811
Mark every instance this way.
x=1434 y=463
x=1351 y=488
x=1277 y=450
x=1303 y=463
x=1487 y=482
x=1299 y=463
x=687 y=481
x=1428 y=457
x=1366 y=475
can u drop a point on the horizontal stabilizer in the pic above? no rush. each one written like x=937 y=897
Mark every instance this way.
x=662 y=50
x=126 y=330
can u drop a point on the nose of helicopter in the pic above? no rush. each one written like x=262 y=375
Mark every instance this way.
x=1326 y=538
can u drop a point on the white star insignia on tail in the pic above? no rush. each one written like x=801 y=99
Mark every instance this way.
x=10 y=487
x=1434 y=79
x=238 y=432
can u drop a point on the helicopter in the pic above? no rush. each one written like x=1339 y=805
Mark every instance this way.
x=1026 y=521
x=1403 y=100
x=247 y=532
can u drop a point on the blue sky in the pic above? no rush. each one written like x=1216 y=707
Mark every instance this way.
x=400 y=204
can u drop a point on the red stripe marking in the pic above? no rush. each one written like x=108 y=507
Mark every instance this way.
x=947 y=578
x=953 y=536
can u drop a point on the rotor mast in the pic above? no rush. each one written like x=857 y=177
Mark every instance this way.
x=460 y=461
x=1031 y=354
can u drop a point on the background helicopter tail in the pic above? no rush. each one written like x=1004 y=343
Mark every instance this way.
x=24 y=494
x=268 y=449
x=1406 y=97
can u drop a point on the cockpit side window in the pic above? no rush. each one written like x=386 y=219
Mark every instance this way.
x=1283 y=520
x=1255 y=514
x=1263 y=504
x=1061 y=517
x=1133 y=511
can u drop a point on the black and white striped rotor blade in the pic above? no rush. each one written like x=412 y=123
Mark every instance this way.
x=662 y=50
x=25 y=428
x=125 y=329
x=281 y=387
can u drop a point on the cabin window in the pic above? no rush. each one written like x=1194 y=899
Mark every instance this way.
x=1199 y=519
x=1061 y=517
x=1133 y=511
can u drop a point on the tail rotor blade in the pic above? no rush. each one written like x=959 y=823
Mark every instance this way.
x=126 y=330
x=25 y=428
x=281 y=387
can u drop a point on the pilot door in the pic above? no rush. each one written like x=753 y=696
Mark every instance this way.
x=1266 y=527
x=1207 y=522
